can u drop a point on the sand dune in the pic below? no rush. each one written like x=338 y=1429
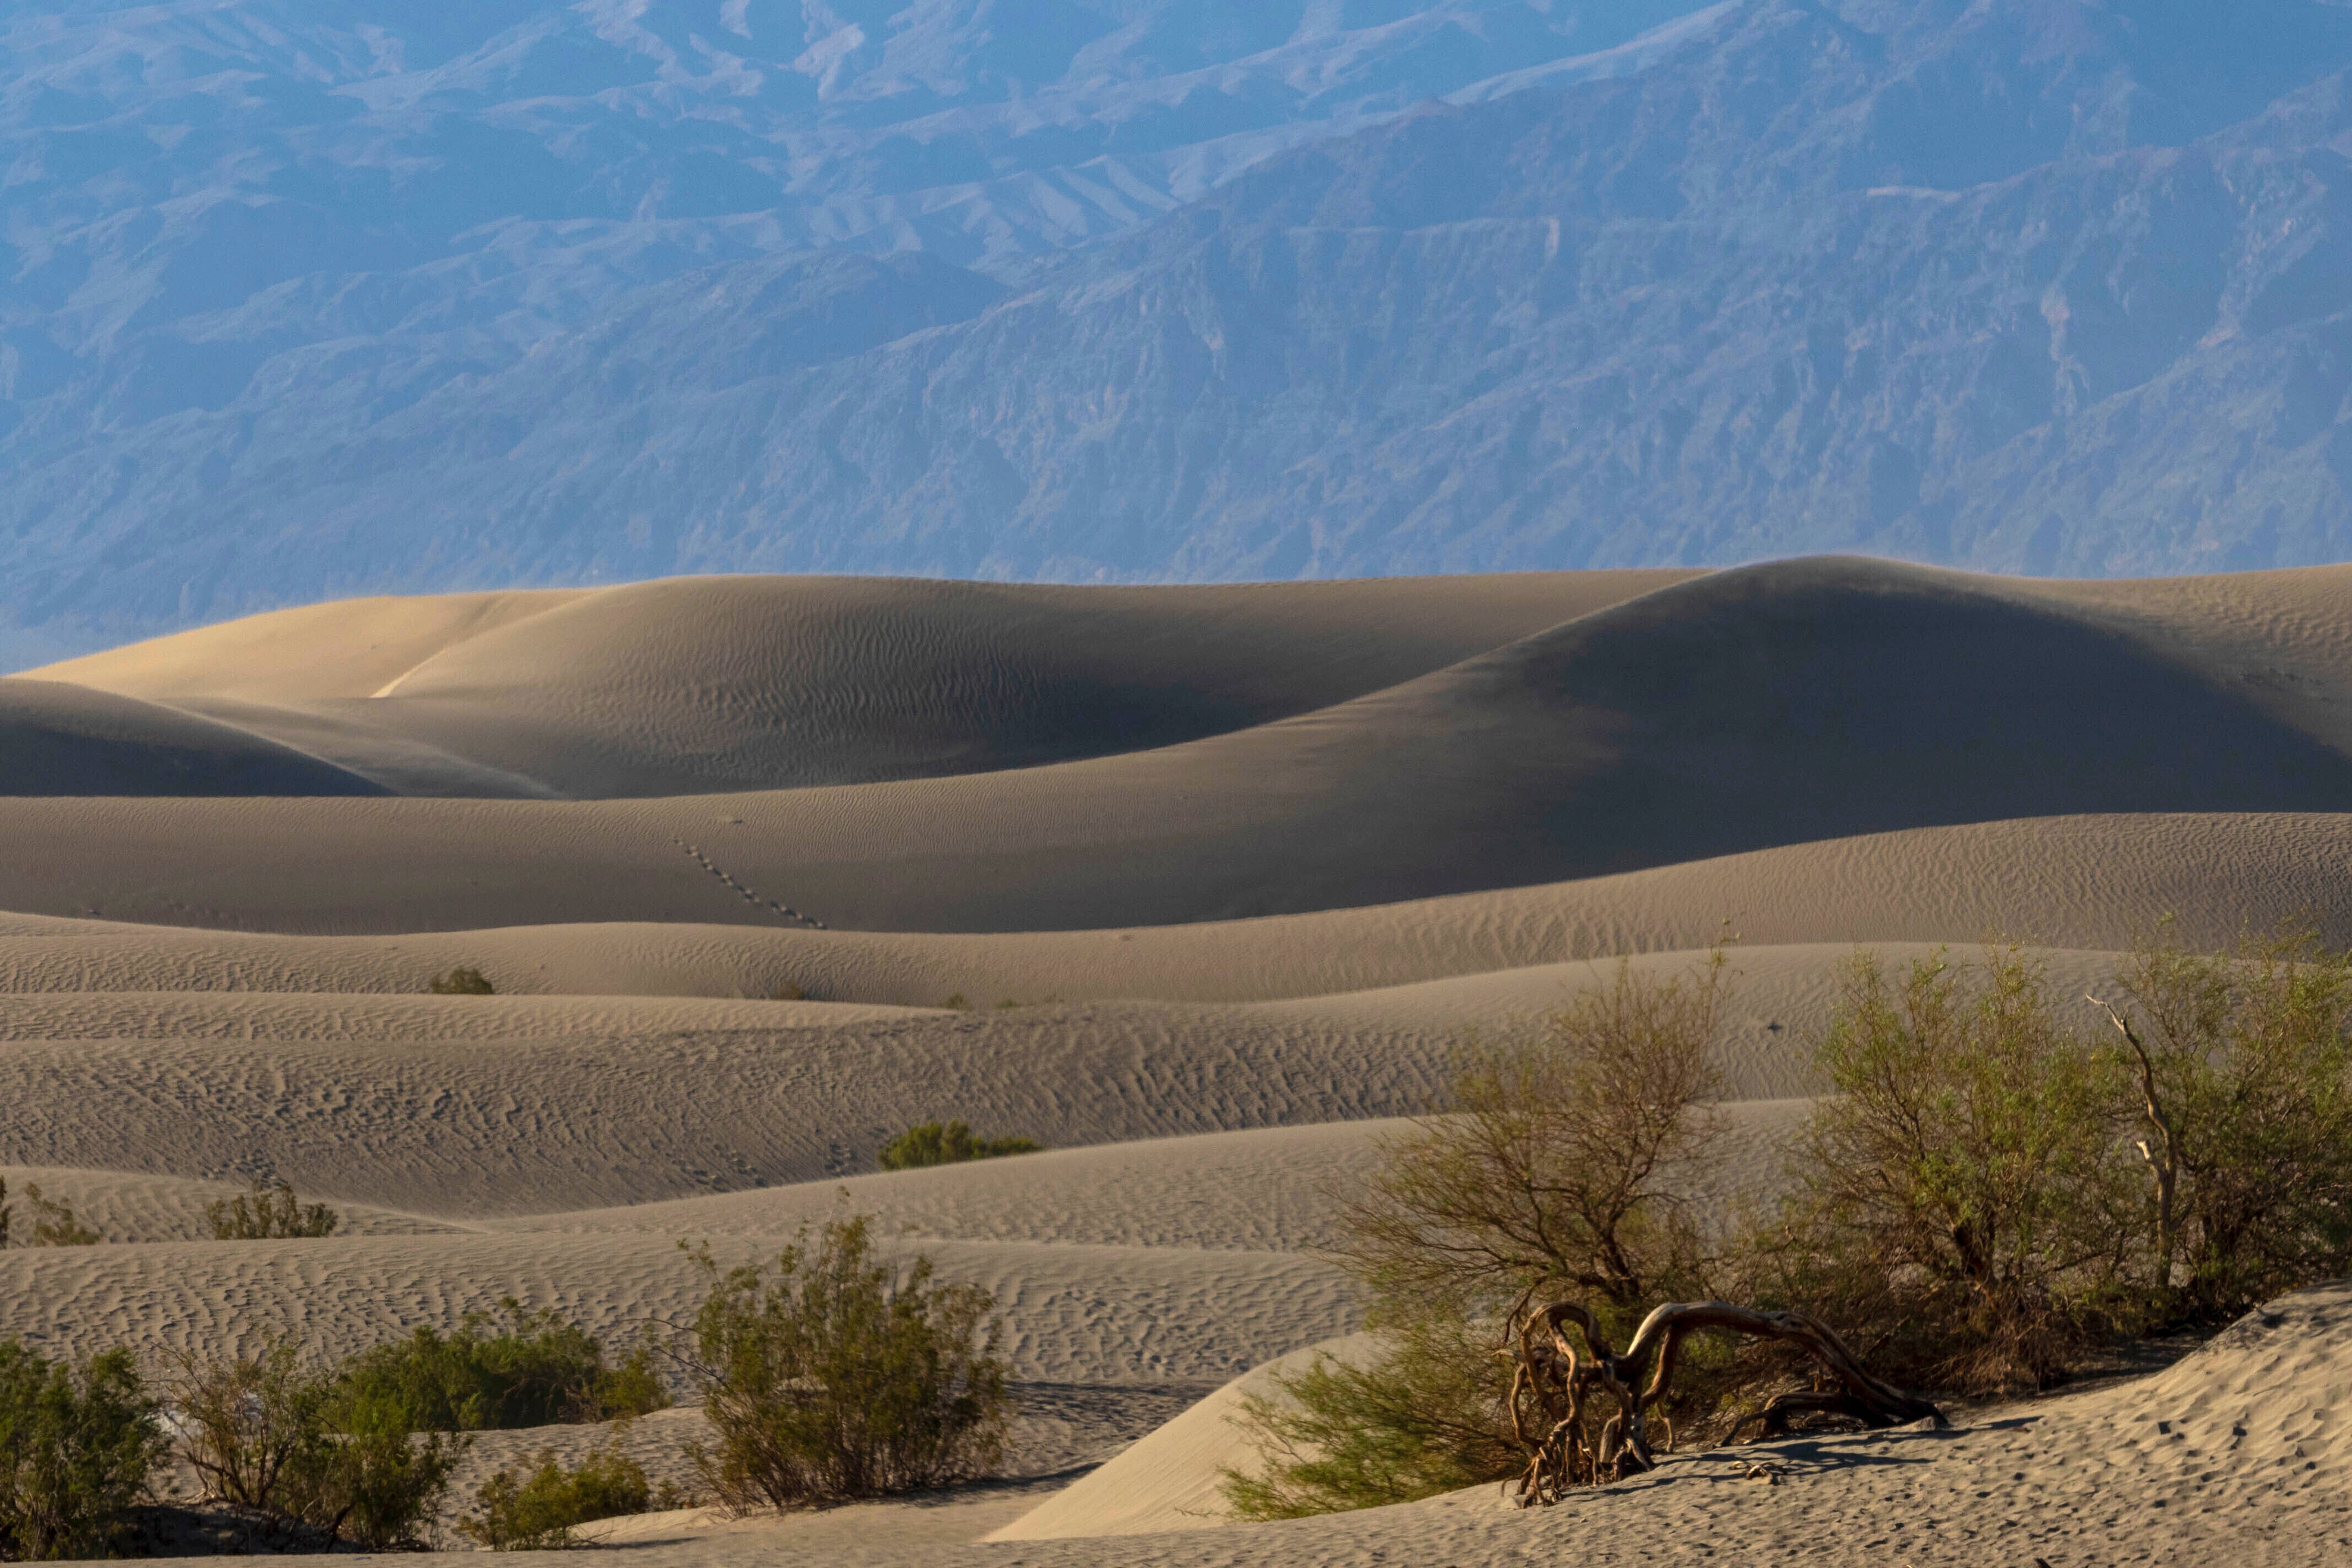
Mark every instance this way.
x=58 y=739
x=482 y=1127
x=416 y=867
x=702 y=684
x=473 y=1107
x=1771 y=706
x=123 y=1207
x=1206 y=888
x=1085 y=1314
x=350 y=648
x=1173 y=1478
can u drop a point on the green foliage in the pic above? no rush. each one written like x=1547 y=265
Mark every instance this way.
x=522 y=1369
x=77 y=1446
x=537 y=1512
x=1964 y=1185
x=2239 y=1092
x=1424 y=1417
x=1566 y=1164
x=462 y=981
x=843 y=1377
x=1566 y=1161
x=267 y=1212
x=265 y=1433
x=947 y=1144
x=1989 y=1193
x=54 y=1224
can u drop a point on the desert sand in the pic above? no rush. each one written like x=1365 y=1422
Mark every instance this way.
x=1206 y=888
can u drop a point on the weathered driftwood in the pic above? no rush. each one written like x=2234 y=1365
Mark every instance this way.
x=1553 y=1382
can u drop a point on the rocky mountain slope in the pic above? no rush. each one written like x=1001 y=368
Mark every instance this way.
x=321 y=300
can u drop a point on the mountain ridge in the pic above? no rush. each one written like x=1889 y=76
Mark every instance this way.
x=2050 y=288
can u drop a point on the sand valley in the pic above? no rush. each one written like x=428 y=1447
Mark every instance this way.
x=1204 y=888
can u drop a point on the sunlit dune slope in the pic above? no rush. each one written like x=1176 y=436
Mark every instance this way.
x=693 y=684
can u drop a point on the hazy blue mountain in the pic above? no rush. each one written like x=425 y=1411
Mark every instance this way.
x=311 y=298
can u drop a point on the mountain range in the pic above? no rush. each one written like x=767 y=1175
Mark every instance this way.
x=385 y=296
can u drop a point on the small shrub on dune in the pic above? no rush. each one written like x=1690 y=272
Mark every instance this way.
x=538 y=1511
x=1564 y=1164
x=77 y=1447
x=947 y=1144
x=265 y=1434
x=54 y=1224
x=269 y=1213
x=462 y=981
x=1424 y=1419
x=522 y=1369
x=842 y=1376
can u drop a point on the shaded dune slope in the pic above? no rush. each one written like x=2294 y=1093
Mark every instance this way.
x=695 y=685
x=58 y=739
x=1767 y=706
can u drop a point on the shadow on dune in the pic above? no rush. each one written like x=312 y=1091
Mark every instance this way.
x=62 y=740
x=1767 y=706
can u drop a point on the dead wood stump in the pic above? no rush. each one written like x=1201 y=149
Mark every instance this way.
x=1553 y=1382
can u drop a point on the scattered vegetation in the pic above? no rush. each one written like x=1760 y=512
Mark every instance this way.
x=788 y=993
x=2002 y=1181
x=517 y=1369
x=947 y=1144
x=292 y=1443
x=54 y=1224
x=462 y=981
x=77 y=1447
x=843 y=1376
x=314 y=1456
x=538 y=1512
x=269 y=1213
x=957 y=1003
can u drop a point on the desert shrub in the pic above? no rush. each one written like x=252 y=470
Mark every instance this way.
x=1962 y=1188
x=1567 y=1164
x=788 y=993
x=536 y=1513
x=844 y=1376
x=1423 y=1418
x=520 y=1369
x=2237 y=1082
x=957 y=1003
x=54 y=1224
x=947 y=1144
x=267 y=1212
x=77 y=1446
x=462 y=981
x=266 y=1433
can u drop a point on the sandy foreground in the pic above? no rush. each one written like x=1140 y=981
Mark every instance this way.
x=1204 y=888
